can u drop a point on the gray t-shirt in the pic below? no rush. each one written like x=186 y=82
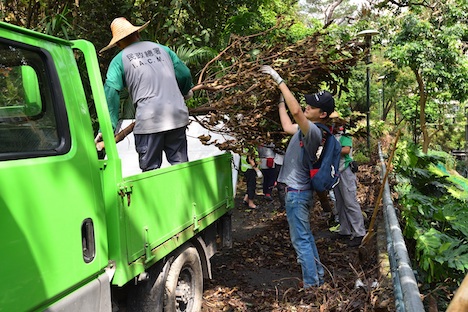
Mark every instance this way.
x=152 y=84
x=294 y=173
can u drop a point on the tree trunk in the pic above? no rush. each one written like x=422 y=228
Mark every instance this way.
x=329 y=12
x=387 y=107
x=422 y=110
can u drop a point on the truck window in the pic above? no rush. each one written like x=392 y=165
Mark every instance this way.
x=32 y=113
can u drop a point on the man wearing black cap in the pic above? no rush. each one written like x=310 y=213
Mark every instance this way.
x=295 y=172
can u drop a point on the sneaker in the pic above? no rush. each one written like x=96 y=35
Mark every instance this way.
x=301 y=285
x=355 y=241
x=268 y=197
x=335 y=229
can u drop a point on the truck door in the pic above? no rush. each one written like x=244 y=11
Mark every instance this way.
x=52 y=223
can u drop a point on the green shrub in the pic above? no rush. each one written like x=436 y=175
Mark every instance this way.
x=433 y=198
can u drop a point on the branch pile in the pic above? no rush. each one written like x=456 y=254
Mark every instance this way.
x=243 y=102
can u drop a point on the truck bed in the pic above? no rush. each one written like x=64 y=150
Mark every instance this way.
x=182 y=201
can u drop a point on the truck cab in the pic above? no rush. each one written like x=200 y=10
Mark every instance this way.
x=73 y=226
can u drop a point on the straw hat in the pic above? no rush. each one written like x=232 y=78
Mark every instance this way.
x=120 y=29
x=337 y=119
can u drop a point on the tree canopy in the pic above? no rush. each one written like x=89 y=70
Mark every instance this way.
x=427 y=39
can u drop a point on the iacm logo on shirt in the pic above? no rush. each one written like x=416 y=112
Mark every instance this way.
x=144 y=58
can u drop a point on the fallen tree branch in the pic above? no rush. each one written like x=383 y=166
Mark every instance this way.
x=243 y=99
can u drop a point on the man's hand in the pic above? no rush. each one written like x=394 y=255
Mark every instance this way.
x=99 y=142
x=98 y=138
x=270 y=71
x=189 y=95
x=259 y=173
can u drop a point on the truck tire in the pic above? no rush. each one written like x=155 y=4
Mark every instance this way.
x=147 y=295
x=184 y=283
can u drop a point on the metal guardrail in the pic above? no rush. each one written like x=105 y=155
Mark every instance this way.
x=406 y=291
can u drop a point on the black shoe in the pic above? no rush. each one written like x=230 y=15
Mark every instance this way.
x=245 y=203
x=355 y=241
x=338 y=236
x=268 y=197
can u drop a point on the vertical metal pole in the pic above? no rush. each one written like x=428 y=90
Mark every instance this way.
x=368 y=109
x=367 y=34
x=368 y=103
x=383 y=99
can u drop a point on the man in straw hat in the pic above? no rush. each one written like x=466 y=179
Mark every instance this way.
x=158 y=83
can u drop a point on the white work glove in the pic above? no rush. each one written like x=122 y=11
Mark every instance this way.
x=270 y=71
x=98 y=138
x=189 y=95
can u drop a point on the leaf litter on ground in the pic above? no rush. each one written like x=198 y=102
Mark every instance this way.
x=261 y=273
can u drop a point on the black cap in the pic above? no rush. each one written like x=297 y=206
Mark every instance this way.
x=323 y=100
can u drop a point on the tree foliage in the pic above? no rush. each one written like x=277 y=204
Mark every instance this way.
x=429 y=41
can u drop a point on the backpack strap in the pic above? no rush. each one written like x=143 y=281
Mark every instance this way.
x=326 y=133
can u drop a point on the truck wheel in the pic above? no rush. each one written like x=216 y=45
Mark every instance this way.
x=184 y=283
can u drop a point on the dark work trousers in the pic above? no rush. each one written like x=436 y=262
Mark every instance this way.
x=269 y=178
x=349 y=209
x=281 y=187
x=150 y=148
x=250 y=177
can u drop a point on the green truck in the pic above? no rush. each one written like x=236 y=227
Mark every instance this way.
x=77 y=234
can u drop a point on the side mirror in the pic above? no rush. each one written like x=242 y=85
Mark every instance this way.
x=32 y=95
x=22 y=98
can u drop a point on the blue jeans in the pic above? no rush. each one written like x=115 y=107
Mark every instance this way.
x=297 y=210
